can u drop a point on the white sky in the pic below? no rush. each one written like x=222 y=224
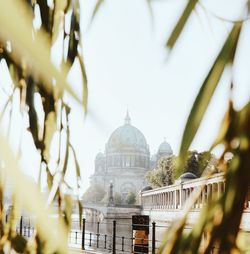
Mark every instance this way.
x=128 y=67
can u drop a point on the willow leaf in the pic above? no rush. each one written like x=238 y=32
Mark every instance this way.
x=29 y=197
x=243 y=119
x=207 y=90
x=34 y=50
x=84 y=83
x=66 y=158
x=80 y=212
x=58 y=20
x=49 y=178
x=67 y=210
x=150 y=9
x=181 y=23
x=224 y=127
x=67 y=143
x=96 y=9
x=78 y=172
x=50 y=129
x=19 y=243
x=45 y=15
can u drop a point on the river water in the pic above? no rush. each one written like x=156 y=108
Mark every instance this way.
x=99 y=235
x=123 y=234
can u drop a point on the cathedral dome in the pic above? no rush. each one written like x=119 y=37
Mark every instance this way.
x=127 y=137
x=99 y=156
x=164 y=149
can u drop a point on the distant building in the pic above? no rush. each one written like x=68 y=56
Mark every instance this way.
x=126 y=160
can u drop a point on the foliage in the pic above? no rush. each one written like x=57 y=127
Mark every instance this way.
x=219 y=220
x=117 y=198
x=162 y=175
x=26 y=51
x=131 y=198
x=95 y=193
x=197 y=162
x=25 y=47
x=167 y=167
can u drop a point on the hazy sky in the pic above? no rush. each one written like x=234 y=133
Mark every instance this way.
x=128 y=67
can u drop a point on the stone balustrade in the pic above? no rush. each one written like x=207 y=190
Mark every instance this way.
x=174 y=196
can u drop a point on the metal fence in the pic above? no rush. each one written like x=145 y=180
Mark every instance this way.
x=114 y=242
x=91 y=236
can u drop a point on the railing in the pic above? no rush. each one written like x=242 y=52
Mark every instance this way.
x=114 y=242
x=23 y=226
x=92 y=236
x=174 y=196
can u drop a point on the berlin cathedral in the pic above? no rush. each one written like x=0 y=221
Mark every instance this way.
x=126 y=160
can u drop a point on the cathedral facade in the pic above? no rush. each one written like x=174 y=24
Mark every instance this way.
x=126 y=160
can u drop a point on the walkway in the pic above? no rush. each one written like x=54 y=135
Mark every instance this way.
x=78 y=251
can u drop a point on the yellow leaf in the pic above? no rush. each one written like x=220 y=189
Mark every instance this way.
x=35 y=50
x=50 y=128
x=208 y=87
x=29 y=197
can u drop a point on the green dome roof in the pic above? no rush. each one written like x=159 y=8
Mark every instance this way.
x=99 y=156
x=127 y=137
x=165 y=149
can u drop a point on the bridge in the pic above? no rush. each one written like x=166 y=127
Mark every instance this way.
x=97 y=212
x=167 y=203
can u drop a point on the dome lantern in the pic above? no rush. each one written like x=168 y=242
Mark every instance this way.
x=127 y=119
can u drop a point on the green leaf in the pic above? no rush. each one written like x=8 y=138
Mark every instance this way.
x=181 y=23
x=66 y=158
x=19 y=243
x=73 y=38
x=33 y=117
x=243 y=119
x=49 y=178
x=15 y=72
x=80 y=212
x=96 y=9
x=45 y=15
x=58 y=20
x=30 y=199
x=78 y=172
x=225 y=124
x=84 y=83
x=67 y=210
x=207 y=90
x=34 y=50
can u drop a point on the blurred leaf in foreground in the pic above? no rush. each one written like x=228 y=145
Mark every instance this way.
x=208 y=87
